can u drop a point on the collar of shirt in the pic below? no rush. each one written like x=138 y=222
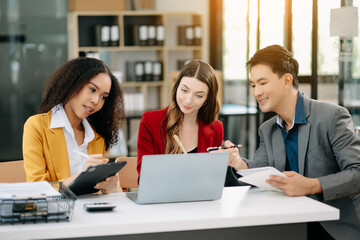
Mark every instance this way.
x=59 y=119
x=299 y=117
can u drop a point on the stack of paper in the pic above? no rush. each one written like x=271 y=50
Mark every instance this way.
x=257 y=177
x=27 y=190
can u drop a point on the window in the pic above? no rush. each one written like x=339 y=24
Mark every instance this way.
x=301 y=34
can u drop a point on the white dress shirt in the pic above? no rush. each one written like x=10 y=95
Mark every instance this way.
x=59 y=119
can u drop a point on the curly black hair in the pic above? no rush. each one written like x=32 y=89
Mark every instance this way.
x=66 y=81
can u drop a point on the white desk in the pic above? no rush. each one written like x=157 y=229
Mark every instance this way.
x=240 y=212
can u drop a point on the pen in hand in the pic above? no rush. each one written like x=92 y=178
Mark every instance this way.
x=223 y=147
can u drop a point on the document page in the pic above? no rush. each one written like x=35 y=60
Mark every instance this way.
x=257 y=177
x=27 y=190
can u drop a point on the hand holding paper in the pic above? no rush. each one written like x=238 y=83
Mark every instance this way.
x=257 y=177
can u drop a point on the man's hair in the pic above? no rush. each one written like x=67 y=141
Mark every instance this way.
x=278 y=59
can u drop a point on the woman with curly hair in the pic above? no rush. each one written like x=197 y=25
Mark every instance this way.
x=192 y=115
x=82 y=109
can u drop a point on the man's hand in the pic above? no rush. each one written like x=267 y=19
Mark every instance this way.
x=235 y=160
x=295 y=184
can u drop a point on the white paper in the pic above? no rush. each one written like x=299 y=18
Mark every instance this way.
x=27 y=190
x=344 y=22
x=257 y=177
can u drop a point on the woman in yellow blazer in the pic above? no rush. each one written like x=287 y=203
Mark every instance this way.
x=82 y=110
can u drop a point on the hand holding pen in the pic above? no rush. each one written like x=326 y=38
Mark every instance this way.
x=223 y=147
x=235 y=159
x=109 y=183
x=93 y=159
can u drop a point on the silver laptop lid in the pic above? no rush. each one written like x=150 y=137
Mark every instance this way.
x=182 y=177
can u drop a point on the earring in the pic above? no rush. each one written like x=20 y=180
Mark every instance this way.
x=204 y=104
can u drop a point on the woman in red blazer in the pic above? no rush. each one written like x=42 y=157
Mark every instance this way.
x=191 y=116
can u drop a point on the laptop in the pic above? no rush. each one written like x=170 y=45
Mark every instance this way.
x=169 y=178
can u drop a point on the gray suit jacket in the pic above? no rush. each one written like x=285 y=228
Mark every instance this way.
x=329 y=149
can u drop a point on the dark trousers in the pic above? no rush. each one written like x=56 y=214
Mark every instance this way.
x=316 y=232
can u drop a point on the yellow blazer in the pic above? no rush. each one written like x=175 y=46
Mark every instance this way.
x=45 y=152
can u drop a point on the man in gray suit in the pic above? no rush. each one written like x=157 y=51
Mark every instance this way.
x=313 y=142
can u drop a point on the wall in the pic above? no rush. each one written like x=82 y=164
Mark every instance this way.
x=198 y=6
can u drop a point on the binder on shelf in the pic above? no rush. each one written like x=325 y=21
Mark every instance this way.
x=105 y=35
x=148 y=71
x=181 y=35
x=139 y=71
x=130 y=71
x=160 y=35
x=140 y=35
x=185 y=35
x=189 y=35
x=114 y=35
x=157 y=71
x=151 y=35
x=97 y=35
x=102 y=35
x=135 y=71
x=197 y=35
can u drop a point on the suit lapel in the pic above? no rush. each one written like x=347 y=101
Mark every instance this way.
x=303 y=140
x=279 y=150
x=303 y=136
x=96 y=146
x=58 y=152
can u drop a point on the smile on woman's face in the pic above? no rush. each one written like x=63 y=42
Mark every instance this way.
x=191 y=95
x=89 y=99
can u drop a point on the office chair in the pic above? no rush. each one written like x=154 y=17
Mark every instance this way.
x=128 y=176
x=12 y=171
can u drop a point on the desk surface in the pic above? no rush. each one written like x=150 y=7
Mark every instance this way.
x=238 y=207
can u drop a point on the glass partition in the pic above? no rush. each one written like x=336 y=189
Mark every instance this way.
x=33 y=42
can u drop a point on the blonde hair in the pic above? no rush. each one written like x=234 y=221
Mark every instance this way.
x=208 y=112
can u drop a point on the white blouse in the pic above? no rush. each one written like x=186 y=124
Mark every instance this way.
x=59 y=119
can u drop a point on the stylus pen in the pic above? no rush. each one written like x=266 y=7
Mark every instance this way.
x=223 y=147
x=177 y=139
x=81 y=154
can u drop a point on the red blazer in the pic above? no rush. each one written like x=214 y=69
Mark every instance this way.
x=152 y=135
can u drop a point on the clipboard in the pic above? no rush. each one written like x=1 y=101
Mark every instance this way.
x=86 y=181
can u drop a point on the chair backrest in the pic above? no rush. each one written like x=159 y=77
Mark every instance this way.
x=12 y=171
x=128 y=175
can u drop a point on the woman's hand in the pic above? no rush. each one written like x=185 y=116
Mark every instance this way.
x=108 y=185
x=95 y=159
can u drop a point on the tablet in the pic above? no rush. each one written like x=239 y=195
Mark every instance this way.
x=86 y=181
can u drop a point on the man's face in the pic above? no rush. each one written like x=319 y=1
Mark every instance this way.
x=268 y=89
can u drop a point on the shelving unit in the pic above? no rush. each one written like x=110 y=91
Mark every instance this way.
x=81 y=38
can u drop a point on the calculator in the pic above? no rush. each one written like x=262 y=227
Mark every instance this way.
x=99 y=206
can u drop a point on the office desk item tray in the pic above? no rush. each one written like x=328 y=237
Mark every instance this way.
x=38 y=208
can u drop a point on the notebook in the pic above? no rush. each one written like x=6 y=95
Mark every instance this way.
x=258 y=176
x=181 y=177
